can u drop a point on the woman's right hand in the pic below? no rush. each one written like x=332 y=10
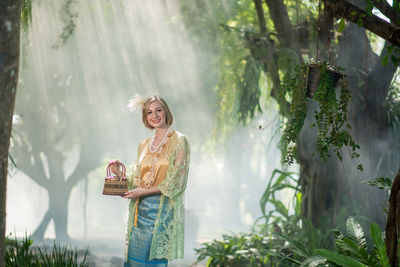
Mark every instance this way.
x=115 y=167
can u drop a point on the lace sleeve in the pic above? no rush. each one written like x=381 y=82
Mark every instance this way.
x=174 y=183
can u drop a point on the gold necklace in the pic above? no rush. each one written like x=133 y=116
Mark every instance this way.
x=148 y=178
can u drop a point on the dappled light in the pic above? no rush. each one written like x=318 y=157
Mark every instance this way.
x=291 y=110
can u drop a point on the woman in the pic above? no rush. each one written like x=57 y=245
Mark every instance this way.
x=155 y=228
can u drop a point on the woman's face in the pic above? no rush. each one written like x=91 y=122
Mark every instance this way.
x=156 y=115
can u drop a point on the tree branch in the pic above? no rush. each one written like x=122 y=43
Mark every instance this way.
x=35 y=174
x=388 y=11
x=380 y=27
x=261 y=17
x=283 y=26
x=34 y=171
x=81 y=171
x=269 y=61
x=88 y=160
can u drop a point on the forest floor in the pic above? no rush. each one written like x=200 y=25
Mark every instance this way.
x=109 y=253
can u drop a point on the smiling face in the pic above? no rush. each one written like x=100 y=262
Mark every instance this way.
x=156 y=113
x=156 y=116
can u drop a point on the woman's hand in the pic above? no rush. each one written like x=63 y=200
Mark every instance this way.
x=115 y=167
x=135 y=193
x=141 y=192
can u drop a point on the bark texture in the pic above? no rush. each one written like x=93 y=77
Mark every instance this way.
x=393 y=223
x=10 y=14
x=268 y=60
x=280 y=17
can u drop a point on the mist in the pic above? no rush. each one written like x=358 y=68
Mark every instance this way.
x=71 y=112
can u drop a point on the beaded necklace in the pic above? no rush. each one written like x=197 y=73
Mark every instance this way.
x=148 y=178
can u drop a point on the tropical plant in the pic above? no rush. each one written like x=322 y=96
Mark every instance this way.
x=303 y=248
x=353 y=250
x=384 y=183
x=283 y=238
x=235 y=250
x=331 y=116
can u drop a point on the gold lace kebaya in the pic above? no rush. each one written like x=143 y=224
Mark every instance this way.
x=170 y=176
x=154 y=165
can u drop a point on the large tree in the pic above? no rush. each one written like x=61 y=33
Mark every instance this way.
x=44 y=135
x=58 y=119
x=264 y=40
x=13 y=15
x=326 y=186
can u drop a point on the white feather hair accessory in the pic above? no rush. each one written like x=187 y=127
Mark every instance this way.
x=136 y=102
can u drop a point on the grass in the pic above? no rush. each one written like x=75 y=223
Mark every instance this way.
x=22 y=253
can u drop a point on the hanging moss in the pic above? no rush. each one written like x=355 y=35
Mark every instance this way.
x=249 y=90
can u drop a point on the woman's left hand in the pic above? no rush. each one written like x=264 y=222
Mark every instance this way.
x=135 y=193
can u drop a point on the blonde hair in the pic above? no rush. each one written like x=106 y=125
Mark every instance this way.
x=146 y=105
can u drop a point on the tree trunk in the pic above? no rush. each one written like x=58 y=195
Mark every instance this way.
x=330 y=186
x=58 y=207
x=58 y=212
x=41 y=229
x=10 y=14
x=393 y=223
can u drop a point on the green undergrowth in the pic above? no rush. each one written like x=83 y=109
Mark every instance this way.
x=23 y=254
x=304 y=246
x=283 y=237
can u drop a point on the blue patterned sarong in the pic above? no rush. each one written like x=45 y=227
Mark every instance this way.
x=142 y=235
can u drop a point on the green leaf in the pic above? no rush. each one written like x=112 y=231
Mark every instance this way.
x=380 y=246
x=359 y=22
x=369 y=8
x=209 y=261
x=298 y=204
x=280 y=207
x=342 y=25
x=398 y=244
x=355 y=231
x=338 y=259
x=273 y=186
x=356 y=251
x=395 y=60
x=381 y=183
x=385 y=60
x=314 y=261
x=300 y=249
